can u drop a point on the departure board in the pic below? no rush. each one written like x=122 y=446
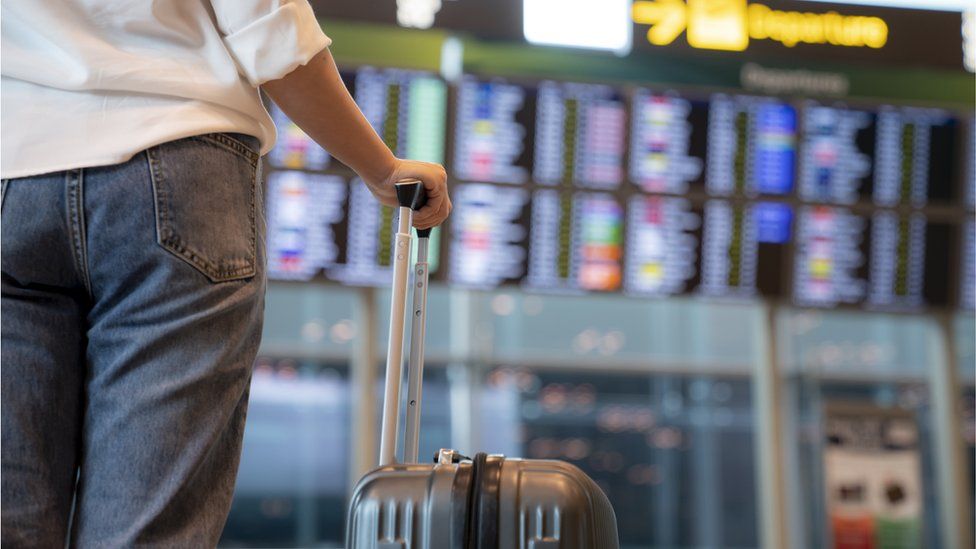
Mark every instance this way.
x=967 y=291
x=663 y=235
x=369 y=246
x=370 y=234
x=885 y=261
x=727 y=196
x=830 y=265
x=579 y=135
x=575 y=242
x=836 y=154
x=408 y=109
x=303 y=213
x=969 y=172
x=488 y=245
x=751 y=146
x=492 y=135
x=910 y=259
x=667 y=142
x=897 y=272
x=743 y=249
x=294 y=149
x=913 y=156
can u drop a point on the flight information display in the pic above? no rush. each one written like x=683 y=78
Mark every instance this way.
x=293 y=148
x=897 y=271
x=579 y=135
x=969 y=175
x=408 y=109
x=882 y=198
x=751 y=146
x=370 y=232
x=909 y=267
x=303 y=213
x=743 y=248
x=830 y=264
x=666 y=142
x=967 y=293
x=488 y=245
x=492 y=137
x=913 y=156
x=369 y=246
x=887 y=261
x=575 y=242
x=662 y=246
x=837 y=148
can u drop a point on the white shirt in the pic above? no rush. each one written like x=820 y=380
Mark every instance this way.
x=92 y=82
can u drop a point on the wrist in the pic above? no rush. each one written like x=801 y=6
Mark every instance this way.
x=382 y=171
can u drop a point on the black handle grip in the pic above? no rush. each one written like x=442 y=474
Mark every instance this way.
x=411 y=194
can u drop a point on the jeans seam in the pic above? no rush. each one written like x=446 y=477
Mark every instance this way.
x=235 y=146
x=74 y=184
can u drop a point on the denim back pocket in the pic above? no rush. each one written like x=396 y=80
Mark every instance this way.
x=204 y=189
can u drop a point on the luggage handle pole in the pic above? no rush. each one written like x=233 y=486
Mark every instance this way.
x=411 y=196
x=415 y=366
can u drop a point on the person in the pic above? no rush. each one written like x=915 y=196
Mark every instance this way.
x=133 y=255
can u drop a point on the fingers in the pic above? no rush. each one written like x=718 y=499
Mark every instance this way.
x=433 y=214
x=434 y=179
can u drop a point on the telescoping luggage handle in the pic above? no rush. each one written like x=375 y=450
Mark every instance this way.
x=411 y=196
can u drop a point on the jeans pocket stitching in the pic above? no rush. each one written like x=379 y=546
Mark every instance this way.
x=170 y=241
x=227 y=142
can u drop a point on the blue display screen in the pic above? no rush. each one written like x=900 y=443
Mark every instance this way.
x=775 y=148
x=773 y=222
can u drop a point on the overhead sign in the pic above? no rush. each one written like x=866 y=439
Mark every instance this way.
x=944 y=5
x=772 y=81
x=757 y=30
x=731 y=24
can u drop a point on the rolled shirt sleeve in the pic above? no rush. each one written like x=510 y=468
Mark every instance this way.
x=269 y=38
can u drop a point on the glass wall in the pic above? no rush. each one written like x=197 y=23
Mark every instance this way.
x=673 y=453
x=653 y=399
x=969 y=446
x=291 y=489
x=811 y=446
x=965 y=329
x=880 y=363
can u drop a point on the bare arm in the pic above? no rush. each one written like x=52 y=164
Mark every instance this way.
x=315 y=98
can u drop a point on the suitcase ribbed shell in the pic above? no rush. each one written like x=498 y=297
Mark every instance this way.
x=542 y=504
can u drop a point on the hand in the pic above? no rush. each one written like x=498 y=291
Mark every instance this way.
x=434 y=179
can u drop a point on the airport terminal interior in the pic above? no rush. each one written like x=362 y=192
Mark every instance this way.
x=718 y=254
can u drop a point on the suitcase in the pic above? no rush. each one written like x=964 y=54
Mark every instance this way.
x=457 y=502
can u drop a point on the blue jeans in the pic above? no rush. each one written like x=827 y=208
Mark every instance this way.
x=132 y=305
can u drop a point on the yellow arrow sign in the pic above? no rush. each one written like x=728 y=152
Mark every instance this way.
x=666 y=17
x=730 y=24
x=718 y=24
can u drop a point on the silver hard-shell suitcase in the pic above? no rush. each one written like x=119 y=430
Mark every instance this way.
x=457 y=502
